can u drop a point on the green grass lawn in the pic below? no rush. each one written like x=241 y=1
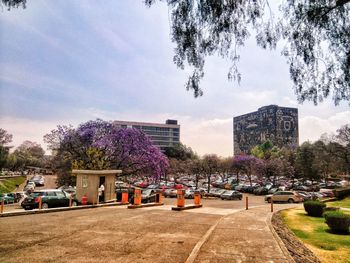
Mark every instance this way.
x=342 y=203
x=8 y=185
x=315 y=233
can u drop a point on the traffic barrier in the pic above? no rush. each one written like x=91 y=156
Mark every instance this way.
x=137 y=196
x=197 y=198
x=159 y=197
x=125 y=197
x=2 y=206
x=138 y=199
x=181 y=201
x=180 y=198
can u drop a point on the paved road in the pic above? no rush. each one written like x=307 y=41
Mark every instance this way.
x=157 y=234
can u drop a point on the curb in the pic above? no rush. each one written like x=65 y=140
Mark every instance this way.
x=60 y=209
x=277 y=238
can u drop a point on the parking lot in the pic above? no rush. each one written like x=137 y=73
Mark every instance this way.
x=116 y=234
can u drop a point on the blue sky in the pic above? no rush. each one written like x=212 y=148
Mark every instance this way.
x=66 y=62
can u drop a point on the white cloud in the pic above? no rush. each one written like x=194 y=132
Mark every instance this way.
x=312 y=127
x=26 y=129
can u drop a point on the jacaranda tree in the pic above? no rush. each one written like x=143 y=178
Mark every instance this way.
x=100 y=145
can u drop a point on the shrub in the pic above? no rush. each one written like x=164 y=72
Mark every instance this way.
x=342 y=193
x=337 y=221
x=314 y=208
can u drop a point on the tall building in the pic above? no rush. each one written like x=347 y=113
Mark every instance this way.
x=162 y=135
x=274 y=123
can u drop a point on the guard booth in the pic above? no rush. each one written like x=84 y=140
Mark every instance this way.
x=89 y=181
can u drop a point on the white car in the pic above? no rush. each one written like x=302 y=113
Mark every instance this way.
x=29 y=186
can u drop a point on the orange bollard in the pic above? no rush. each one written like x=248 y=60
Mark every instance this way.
x=2 y=206
x=70 y=200
x=180 y=198
x=159 y=197
x=197 y=198
x=40 y=202
x=271 y=205
x=125 y=197
x=246 y=203
x=137 y=196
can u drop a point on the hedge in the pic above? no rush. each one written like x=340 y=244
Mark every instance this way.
x=342 y=193
x=314 y=208
x=337 y=221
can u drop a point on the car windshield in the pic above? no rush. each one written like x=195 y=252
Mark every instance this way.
x=228 y=192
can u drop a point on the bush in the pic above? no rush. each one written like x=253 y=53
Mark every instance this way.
x=314 y=208
x=337 y=221
x=342 y=193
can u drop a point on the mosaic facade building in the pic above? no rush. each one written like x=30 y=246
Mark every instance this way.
x=162 y=135
x=274 y=123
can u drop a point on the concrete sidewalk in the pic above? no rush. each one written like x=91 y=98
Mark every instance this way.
x=245 y=236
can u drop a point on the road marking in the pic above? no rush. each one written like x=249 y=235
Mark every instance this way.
x=195 y=251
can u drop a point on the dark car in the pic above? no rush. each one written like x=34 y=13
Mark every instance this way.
x=50 y=198
x=230 y=195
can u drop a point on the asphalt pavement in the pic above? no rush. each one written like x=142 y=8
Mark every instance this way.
x=221 y=231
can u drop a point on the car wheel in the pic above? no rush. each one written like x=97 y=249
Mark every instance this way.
x=74 y=203
x=44 y=206
x=222 y=198
x=290 y=200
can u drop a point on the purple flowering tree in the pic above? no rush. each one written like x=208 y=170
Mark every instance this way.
x=132 y=151
x=100 y=145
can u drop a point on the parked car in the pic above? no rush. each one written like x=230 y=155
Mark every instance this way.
x=50 y=198
x=189 y=193
x=261 y=191
x=328 y=193
x=8 y=198
x=148 y=195
x=68 y=189
x=16 y=196
x=305 y=195
x=230 y=195
x=284 y=196
x=170 y=193
x=29 y=186
x=38 y=180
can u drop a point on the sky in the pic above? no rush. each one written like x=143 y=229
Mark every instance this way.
x=67 y=62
